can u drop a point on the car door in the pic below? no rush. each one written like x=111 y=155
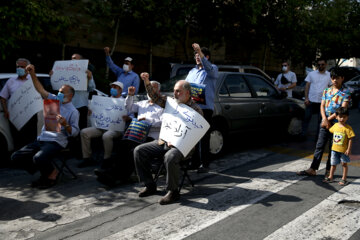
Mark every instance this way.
x=237 y=103
x=274 y=111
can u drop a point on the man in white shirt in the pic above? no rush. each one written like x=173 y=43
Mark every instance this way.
x=316 y=82
x=286 y=80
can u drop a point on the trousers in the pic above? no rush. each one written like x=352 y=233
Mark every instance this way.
x=145 y=153
x=324 y=137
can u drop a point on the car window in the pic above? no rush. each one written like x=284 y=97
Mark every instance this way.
x=183 y=71
x=261 y=87
x=235 y=86
x=2 y=83
x=253 y=71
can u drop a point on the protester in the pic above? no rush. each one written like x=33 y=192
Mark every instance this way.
x=206 y=74
x=28 y=132
x=286 y=80
x=316 y=82
x=341 y=147
x=124 y=74
x=107 y=135
x=333 y=98
x=39 y=154
x=147 y=112
x=145 y=153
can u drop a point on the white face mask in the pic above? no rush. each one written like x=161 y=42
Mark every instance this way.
x=284 y=69
x=126 y=68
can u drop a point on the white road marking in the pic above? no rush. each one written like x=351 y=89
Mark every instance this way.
x=327 y=220
x=204 y=212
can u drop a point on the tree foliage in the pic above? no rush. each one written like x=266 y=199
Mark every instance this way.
x=29 y=20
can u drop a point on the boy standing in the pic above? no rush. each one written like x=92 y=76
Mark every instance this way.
x=342 y=143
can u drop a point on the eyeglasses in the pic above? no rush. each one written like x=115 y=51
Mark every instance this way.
x=20 y=66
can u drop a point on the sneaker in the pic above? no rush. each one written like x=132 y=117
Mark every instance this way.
x=170 y=197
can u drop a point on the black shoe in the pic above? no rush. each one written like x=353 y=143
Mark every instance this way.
x=44 y=183
x=99 y=172
x=107 y=180
x=170 y=197
x=147 y=191
x=203 y=169
x=38 y=182
x=86 y=163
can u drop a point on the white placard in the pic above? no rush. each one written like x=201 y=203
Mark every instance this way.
x=70 y=72
x=23 y=104
x=182 y=126
x=107 y=113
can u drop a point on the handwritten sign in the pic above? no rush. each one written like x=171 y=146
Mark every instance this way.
x=71 y=72
x=23 y=104
x=107 y=113
x=51 y=110
x=198 y=93
x=182 y=126
x=137 y=131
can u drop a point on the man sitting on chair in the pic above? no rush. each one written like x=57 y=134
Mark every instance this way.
x=39 y=154
x=144 y=153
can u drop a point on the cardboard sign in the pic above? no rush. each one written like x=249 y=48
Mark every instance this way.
x=70 y=72
x=198 y=93
x=51 y=110
x=137 y=131
x=107 y=113
x=23 y=104
x=182 y=126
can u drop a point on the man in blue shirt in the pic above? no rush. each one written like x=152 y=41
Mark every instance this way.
x=38 y=155
x=124 y=74
x=204 y=73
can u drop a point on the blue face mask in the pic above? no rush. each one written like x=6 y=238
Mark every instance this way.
x=20 y=72
x=60 y=97
x=113 y=92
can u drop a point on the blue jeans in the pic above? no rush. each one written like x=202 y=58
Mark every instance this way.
x=36 y=156
x=337 y=157
x=323 y=137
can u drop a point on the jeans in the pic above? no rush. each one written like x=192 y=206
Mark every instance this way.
x=144 y=155
x=323 y=137
x=37 y=156
x=312 y=108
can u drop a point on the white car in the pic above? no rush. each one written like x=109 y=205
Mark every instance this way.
x=6 y=140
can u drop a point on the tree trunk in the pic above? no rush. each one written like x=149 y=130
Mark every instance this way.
x=113 y=46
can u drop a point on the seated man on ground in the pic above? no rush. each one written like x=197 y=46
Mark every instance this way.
x=87 y=134
x=39 y=154
x=147 y=112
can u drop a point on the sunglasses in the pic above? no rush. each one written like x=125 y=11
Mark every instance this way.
x=284 y=65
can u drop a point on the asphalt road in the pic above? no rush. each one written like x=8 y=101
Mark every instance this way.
x=250 y=193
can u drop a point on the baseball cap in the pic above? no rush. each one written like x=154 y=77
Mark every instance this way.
x=129 y=59
x=120 y=84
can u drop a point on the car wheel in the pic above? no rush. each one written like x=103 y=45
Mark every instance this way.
x=294 y=127
x=4 y=151
x=217 y=141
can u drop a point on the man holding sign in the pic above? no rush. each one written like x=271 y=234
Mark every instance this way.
x=204 y=74
x=101 y=128
x=145 y=153
x=38 y=155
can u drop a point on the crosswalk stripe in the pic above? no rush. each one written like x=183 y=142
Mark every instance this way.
x=204 y=212
x=327 y=220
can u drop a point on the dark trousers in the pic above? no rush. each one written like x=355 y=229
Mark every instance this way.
x=36 y=156
x=83 y=111
x=27 y=134
x=312 y=108
x=144 y=155
x=323 y=137
x=205 y=141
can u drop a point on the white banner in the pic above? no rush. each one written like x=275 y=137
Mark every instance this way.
x=70 y=72
x=23 y=104
x=182 y=126
x=107 y=113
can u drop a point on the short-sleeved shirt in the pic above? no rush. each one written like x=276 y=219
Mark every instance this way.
x=12 y=85
x=318 y=82
x=291 y=77
x=71 y=114
x=333 y=102
x=341 y=136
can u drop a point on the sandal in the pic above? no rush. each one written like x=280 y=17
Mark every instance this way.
x=328 y=180
x=343 y=182
x=305 y=173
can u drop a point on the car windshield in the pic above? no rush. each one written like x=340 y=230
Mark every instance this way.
x=168 y=86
